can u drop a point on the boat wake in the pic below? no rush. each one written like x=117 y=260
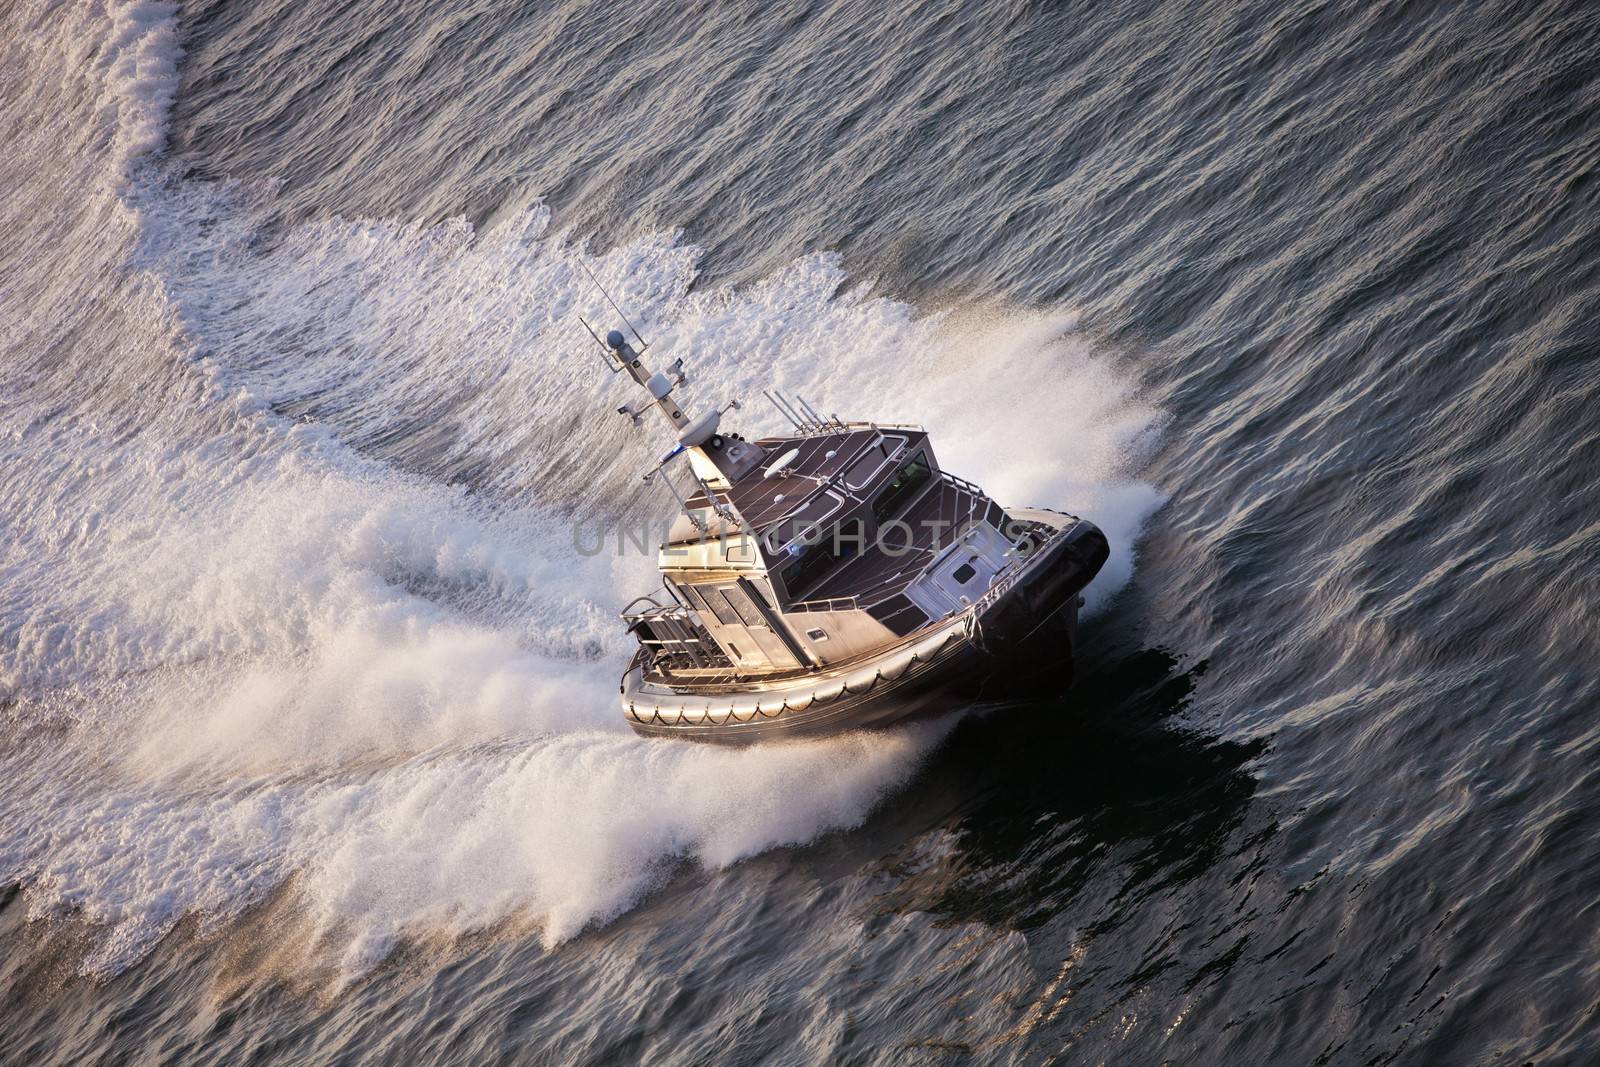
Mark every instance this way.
x=293 y=596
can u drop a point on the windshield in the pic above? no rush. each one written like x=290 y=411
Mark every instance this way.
x=912 y=476
x=813 y=561
x=865 y=469
x=823 y=505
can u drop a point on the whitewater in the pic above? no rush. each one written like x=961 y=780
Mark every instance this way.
x=292 y=614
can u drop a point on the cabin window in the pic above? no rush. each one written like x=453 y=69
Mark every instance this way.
x=817 y=634
x=742 y=606
x=912 y=476
x=840 y=542
x=861 y=473
x=815 y=511
x=696 y=601
x=963 y=573
x=710 y=600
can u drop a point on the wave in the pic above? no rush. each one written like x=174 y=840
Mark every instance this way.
x=293 y=599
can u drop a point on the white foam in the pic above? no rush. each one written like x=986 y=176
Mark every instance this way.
x=572 y=829
x=142 y=54
x=281 y=657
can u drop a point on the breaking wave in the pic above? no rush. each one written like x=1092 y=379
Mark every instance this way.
x=290 y=590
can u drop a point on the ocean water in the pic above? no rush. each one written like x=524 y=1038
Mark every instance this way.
x=311 y=750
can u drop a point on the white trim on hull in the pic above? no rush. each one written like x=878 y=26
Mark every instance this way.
x=645 y=703
x=939 y=667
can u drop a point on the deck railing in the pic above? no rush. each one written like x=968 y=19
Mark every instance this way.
x=673 y=636
x=957 y=525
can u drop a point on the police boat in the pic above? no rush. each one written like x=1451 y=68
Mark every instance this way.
x=835 y=578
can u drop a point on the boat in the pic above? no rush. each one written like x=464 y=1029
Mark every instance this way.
x=835 y=577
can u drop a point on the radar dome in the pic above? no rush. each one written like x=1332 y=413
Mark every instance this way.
x=615 y=339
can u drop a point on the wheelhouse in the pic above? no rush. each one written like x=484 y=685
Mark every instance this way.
x=828 y=547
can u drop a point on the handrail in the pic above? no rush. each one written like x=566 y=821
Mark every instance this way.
x=648 y=598
x=674 y=630
x=958 y=529
x=660 y=611
x=832 y=603
x=962 y=483
x=1011 y=575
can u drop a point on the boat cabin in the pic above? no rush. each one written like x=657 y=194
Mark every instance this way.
x=841 y=539
x=801 y=551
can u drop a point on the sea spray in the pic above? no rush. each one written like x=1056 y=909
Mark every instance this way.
x=292 y=599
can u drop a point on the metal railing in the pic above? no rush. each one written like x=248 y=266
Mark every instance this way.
x=1017 y=567
x=958 y=525
x=672 y=636
x=832 y=603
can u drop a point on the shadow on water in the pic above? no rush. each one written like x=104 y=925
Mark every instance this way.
x=1053 y=794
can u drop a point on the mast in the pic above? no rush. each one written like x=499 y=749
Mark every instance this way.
x=715 y=461
x=659 y=385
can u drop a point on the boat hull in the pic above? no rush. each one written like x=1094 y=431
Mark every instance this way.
x=1015 y=641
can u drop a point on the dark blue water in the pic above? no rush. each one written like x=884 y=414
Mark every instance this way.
x=310 y=746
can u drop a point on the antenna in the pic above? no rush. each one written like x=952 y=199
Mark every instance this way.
x=643 y=344
x=777 y=402
x=809 y=410
x=796 y=411
x=774 y=400
x=611 y=365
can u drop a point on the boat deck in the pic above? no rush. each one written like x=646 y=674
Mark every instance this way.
x=932 y=522
x=822 y=458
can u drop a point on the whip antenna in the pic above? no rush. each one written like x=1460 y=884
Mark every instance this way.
x=643 y=344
